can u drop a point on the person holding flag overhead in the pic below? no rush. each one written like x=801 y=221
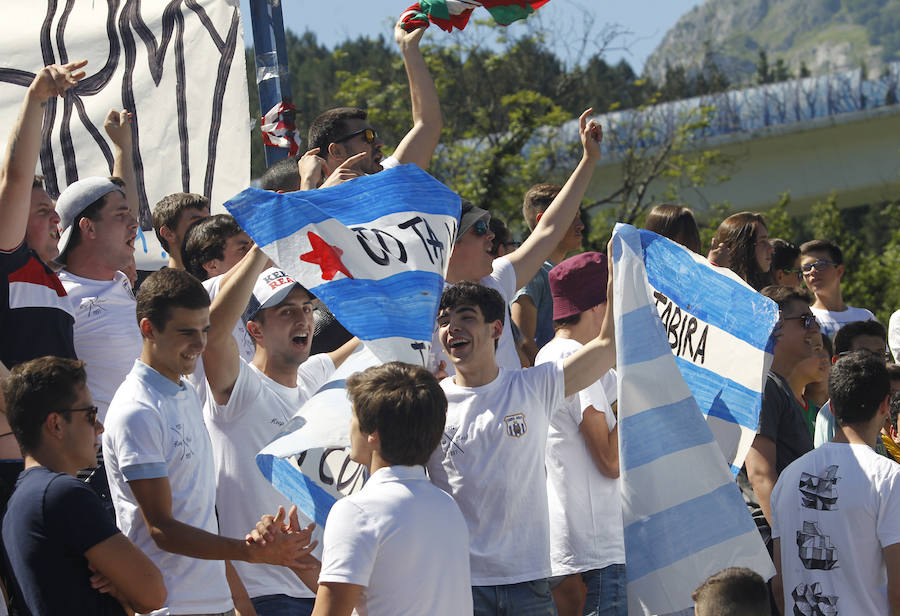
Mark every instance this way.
x=247 y=404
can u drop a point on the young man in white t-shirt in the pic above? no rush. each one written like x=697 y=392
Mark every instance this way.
x=491 y=459
x=96 y=244
x=159 y=457
x=822 y=264
x=247 y=404
x=399 y=546
x=587 y=545
x=836 y=510
x=472 y=260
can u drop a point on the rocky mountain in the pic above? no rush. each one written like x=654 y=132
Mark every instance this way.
x=822 y=35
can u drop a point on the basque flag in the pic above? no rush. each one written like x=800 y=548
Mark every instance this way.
x=693 y=345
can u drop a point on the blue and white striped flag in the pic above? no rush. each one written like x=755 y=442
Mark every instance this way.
x=692 y=341
x=375 y=251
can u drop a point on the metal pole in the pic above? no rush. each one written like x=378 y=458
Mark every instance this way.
x=272 y=77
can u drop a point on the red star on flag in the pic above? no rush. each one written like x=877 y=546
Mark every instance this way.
x=326 y=256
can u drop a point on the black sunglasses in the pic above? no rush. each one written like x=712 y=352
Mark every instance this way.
x=90 y=410
x=817 y=265
x=806 y=320
x=368 y=134
x=480 y=228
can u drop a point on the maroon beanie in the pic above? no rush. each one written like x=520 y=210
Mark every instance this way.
x=578 y=284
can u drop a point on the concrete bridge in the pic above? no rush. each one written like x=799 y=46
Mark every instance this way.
x=835 y=133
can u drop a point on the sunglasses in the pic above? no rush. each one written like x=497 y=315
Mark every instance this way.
x=90 y=410
x=817 y=265
x=480 y=228
x=806 y=320
x=369 y=135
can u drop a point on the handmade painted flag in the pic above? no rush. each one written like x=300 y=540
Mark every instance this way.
x=719 y=330
x=375 y=250
x=185 y=112
x=449 y=14
x=309 y=462
x=688 y=335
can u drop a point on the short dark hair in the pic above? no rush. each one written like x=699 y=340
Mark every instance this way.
x=168 y=211
x=783 y=296
x=37 y=388
x=473 y=294
x=282 y=175
x=165 y=290
x=675 y=222
x=567 y=321
x=537 y=200
x=857 y=386
x=834 y=251
x=735 y=591
x=501 y=234
x=784 y=253
x=407 y=407
x=205 y=240
x=331 y=126
x=893 y=372
x=37 y=182
x=843 y=339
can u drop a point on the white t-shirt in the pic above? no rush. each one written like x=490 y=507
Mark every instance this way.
x=405 y=541
x=835 y=508
x=831 y=321
x=107 y=336
x=257 y=410
x=502 y=280
x=825 y=423
x=894 y=335
x=585 y=506
x=491 y=461
x=243 y=338
x=154 y=428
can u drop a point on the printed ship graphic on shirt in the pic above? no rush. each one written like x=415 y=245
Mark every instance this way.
x=810 y=601
x=820 y=492
x=815 y=549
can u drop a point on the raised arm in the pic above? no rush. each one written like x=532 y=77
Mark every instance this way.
x=118 y=127
x=558 y=217
x=419 y=143
x=595 y=358
x=135 y=578
x=20 y=160
x=221 y=358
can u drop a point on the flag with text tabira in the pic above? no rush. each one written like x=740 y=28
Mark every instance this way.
x=375 y=251
x=450 y=14
x=693 y=347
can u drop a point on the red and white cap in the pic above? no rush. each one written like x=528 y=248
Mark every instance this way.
x=272 y=286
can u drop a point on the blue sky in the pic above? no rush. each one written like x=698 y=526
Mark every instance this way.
x=646 y=21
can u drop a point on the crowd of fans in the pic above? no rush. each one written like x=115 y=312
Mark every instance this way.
x=136 y=406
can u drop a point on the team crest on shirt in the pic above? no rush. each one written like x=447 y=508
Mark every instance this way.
x=515 y=424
